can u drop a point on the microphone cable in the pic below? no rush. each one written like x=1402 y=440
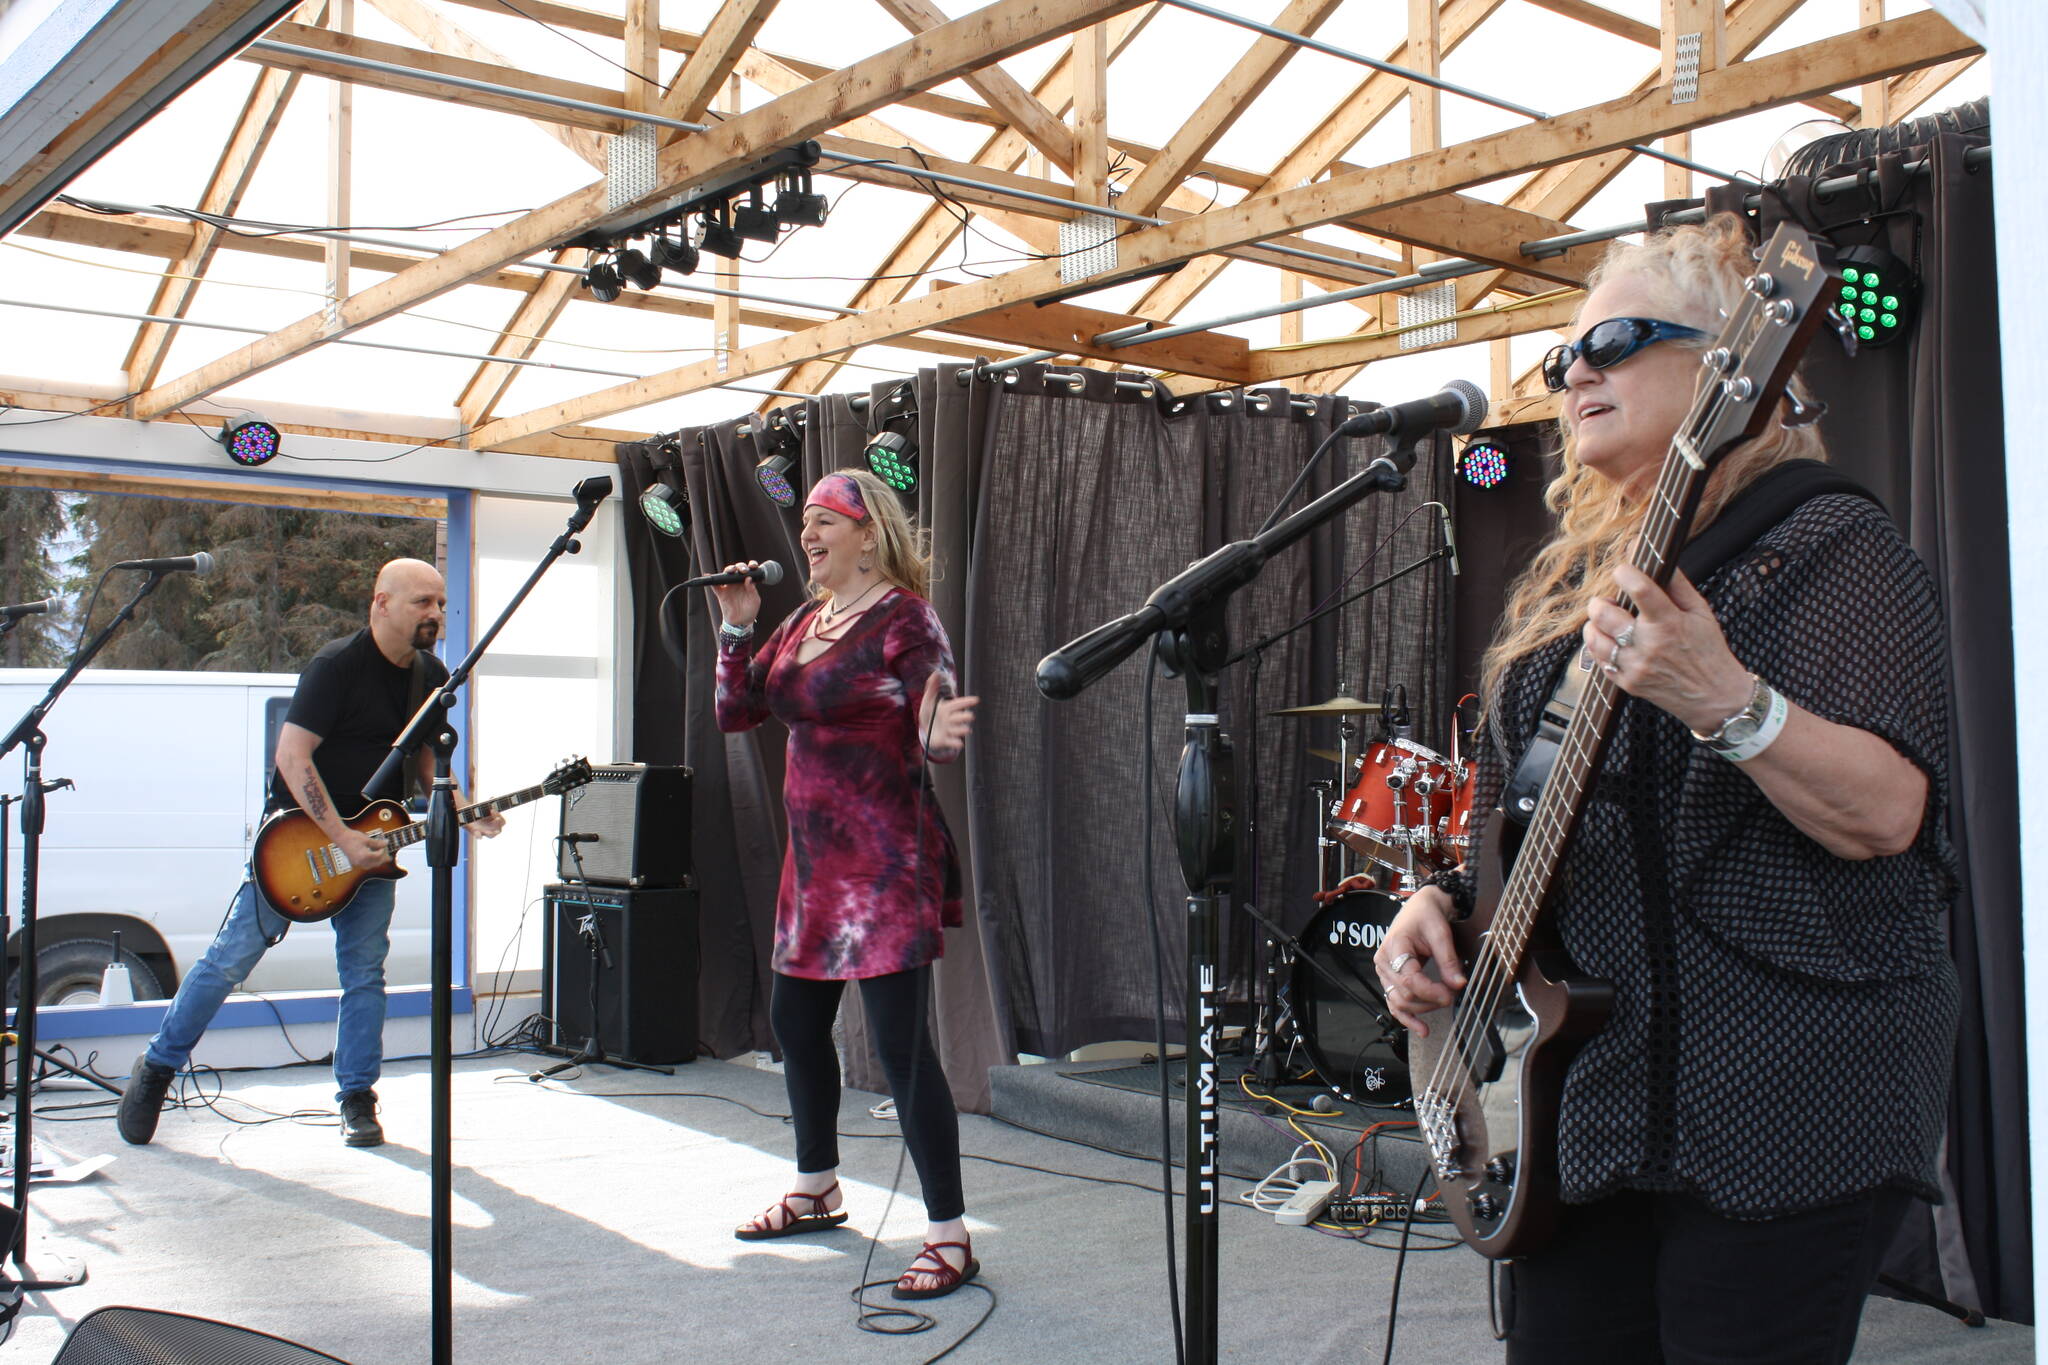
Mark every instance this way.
x=871 y=1317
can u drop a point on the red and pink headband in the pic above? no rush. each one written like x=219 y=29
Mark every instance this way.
x=838 y=493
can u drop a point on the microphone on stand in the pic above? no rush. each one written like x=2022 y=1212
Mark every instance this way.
x=1450 y=538
x=1460 y=409
x=767 y=573
x=17 y=610
x=201 y=564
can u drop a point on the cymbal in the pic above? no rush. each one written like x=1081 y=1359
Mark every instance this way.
x=1335 y=706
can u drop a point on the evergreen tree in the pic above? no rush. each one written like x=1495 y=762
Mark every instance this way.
x=29 y=519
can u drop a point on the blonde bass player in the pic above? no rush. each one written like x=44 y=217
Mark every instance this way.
x=1760 y=869
x=352 y=701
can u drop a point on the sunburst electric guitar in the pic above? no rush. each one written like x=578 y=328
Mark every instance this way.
x=307 y=878
x=1489 y=1076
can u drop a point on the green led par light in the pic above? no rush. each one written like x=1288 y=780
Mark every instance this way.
x=892 y=458
x=1875 y=295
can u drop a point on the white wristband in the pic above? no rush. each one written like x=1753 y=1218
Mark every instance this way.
x=1766 y=733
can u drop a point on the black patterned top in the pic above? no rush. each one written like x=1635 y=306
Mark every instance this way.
x=1784 y=1019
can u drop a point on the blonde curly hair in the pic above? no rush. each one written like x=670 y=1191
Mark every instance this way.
x=1692 y=275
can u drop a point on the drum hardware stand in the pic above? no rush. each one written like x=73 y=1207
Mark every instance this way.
x=28 y=733
x=444 y=845
x=1186 y=613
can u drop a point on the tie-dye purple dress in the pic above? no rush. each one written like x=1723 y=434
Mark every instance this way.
x=857 y=899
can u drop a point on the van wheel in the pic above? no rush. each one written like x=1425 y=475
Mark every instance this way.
x=68 y=973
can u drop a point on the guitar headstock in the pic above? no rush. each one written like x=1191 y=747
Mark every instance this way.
x=1752 y=360
x=573 y=773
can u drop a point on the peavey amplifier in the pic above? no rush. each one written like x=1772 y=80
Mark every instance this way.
x=628 y=826
x=621 y=966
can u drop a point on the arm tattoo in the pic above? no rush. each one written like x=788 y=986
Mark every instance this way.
x=316 y=794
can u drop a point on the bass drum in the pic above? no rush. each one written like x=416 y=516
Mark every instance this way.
x=1356 y=1058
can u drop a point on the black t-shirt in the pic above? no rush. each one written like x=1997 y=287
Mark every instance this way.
x=355 y=699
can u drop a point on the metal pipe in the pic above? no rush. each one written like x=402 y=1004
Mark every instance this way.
x=465 y=83
x=1437 y=270
x=1330 y=49
x=331 y=341
x=1146 y=220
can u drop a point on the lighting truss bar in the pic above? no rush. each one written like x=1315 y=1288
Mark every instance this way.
x=157 y=210
x=1841 y=184
x=1032 y=196
x=1330 y=49
x=331 y=341
x=466 y=83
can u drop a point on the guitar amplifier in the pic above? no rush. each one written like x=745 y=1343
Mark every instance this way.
x=634 y=823
x=620 y=965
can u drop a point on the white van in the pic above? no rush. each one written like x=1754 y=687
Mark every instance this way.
x=171 y=770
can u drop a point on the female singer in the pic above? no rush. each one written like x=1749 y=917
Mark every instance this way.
x=862 y=676
x=1761 y=869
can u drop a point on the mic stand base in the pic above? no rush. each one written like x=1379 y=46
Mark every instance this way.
x=588 y=1054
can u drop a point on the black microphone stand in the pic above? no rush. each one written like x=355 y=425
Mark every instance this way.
x=1186 y=612
x=28 y=733
x=429 y=726
x=592 y=934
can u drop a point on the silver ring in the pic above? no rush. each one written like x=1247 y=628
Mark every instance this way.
x=1614 y=659
x=1400 y=960
x=1626 y=638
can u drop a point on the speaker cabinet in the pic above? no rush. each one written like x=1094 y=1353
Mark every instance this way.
x=639 y=815
x=644 y=971
x=147 y=1336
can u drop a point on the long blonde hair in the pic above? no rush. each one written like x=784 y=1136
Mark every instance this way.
x=902 y=552
x=1693 y=275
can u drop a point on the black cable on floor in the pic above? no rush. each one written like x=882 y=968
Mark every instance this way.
x=1400 y=1263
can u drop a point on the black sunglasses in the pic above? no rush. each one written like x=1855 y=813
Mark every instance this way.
x=1609 y=343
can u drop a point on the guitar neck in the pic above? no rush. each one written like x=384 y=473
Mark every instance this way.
x=417 y=830
x=1665 y=524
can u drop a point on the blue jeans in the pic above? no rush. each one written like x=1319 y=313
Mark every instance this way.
x=362 y=940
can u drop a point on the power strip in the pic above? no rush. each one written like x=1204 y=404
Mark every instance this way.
x=1305 y=1204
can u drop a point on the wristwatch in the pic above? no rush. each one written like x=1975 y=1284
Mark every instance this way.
x=1740 y=728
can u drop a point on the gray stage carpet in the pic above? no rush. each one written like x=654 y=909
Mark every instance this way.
x=593 y=1222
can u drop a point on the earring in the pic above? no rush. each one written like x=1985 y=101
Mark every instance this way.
x=867 y=560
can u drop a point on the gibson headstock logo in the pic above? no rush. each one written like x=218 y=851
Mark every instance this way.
x=1795 y=255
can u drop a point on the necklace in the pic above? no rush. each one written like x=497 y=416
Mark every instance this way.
x=831 y=612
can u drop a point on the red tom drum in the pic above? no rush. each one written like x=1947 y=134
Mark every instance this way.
x=1398 y=807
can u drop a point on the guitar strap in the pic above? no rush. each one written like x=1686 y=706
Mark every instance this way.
x=422 y=683
x=1768 y=500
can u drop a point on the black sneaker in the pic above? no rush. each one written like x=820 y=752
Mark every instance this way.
x=359 y=1126
x=143 y=1101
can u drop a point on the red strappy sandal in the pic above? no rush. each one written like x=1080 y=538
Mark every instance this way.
x=948 y=1278
x=817 y=1220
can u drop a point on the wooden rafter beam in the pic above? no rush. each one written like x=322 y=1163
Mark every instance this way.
x=530 y=321
x=1769 y=82
x=1070 y=330
x=442 y=35
x=726 y=40
x=1221 y=107
x=1354 y=351
x=965 y=44
x=168 y=238
x=246 y=142
x=1602 y=18
x=1915 y=88
x=1019 y=108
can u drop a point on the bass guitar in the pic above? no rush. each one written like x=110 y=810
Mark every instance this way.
x=307 y=878
x=1489 y=1076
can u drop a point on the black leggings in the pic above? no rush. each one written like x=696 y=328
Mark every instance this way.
x=1637 y=1279
x=802 y=1011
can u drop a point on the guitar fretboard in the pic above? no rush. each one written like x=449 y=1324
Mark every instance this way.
x=417 y=830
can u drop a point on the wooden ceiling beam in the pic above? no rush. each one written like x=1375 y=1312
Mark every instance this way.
x=1070 y=330
x=1253 y=72
x=1019 y=107
x=965 y=44
x=726 y=40
x=1915 y=88
x=447 y=38
x=1602 y=18
x=246 y=142
x=1355 y=352
x=1769 y=82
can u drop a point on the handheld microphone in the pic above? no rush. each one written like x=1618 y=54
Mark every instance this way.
x=767 y=573
x=1460 y=409
x=20 y=609
x=201 y=564
x=1450 y=537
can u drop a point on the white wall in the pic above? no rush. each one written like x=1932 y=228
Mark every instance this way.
x=2019 y=48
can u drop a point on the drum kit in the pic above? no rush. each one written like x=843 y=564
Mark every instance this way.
x=1404 y=815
